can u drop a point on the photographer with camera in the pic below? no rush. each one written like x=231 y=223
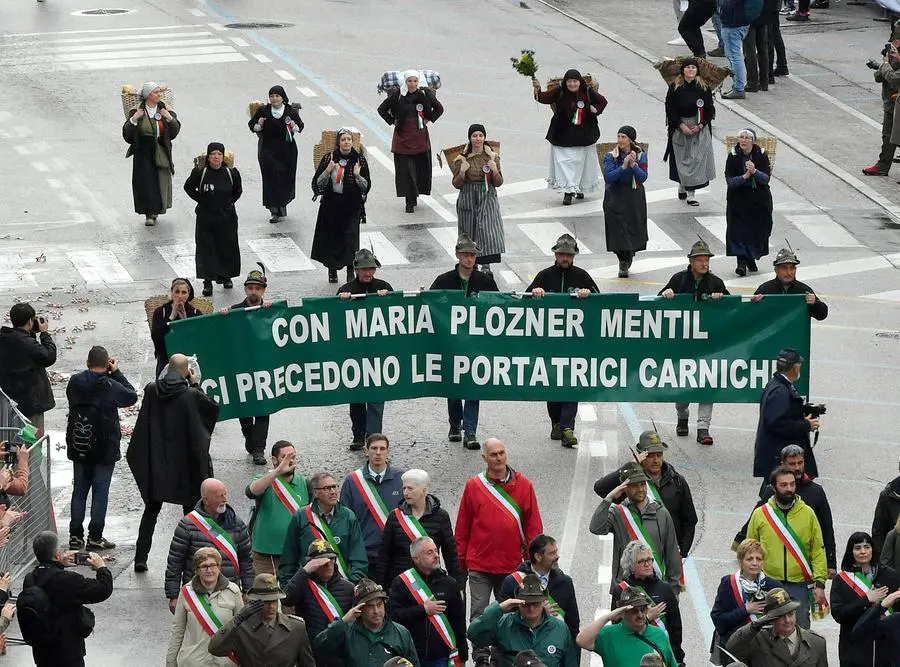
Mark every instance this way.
x=26 y=352
x=784 y=419
x=887 y=75
x=14 y=473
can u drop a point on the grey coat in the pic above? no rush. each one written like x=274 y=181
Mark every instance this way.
x=757 y=647
x=890 y=80
x=660 y=529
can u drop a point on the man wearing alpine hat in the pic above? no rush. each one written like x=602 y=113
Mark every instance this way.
x=775 y=639
x=699 y=281
x=521 y=623
x=260 y=634
x=785 y=282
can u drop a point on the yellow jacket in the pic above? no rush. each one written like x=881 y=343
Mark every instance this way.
x=779 y=563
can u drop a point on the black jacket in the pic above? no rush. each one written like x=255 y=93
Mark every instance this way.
x=660 y=591
x=109 y=392
x=819 y=310
x=68 y=592
x=781 y=423
x=555 y=279
x=559 y=586
x=406 y=611
x=24 y=361
x=395 y=543
x=356 y=287
x=300 y=596
x=478 y=282
x=683 y=283
x=887 y=509
x=676 y=496
x=159 y=328
x=855 y=649
x=727 y=616
x=885 y=630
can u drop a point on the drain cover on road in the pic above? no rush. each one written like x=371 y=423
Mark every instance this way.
x=102 y=12
x=257 y=25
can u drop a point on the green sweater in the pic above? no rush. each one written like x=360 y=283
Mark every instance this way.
x=551 y=639
x=271 y=518
x=618 y=645
x=360 y=647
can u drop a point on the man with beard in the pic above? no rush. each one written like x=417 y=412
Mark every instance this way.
x=785 y=282
x=365 y=418
x=563 y=277
x=789 y=532
x=254 y=429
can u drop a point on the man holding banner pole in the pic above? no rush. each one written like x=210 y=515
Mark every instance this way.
x=365 y=418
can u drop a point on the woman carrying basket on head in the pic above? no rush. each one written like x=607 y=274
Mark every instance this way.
x=573 y=133
x=409 y=109
x=476 y=174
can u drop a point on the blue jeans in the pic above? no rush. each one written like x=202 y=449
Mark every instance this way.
x=465 y=412
x=717 y=24
x=800 y=592
x=734 y=51
x=96 y=478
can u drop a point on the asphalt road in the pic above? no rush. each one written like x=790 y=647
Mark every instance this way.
x=69 y=240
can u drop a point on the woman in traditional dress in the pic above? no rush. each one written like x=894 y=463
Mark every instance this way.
x=573 y=133
x=275 y=124
x=748 y=212
x=216 y=187
x=476 y=174
x=208 y=596
x=342 y=180
x=178 y=307
x=149 y=131
x=689 y=115
x=409 y=110
x=625 y=201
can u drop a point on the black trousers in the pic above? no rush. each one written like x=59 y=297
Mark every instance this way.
x=776 y=45
x=148 y=525
x=886 y=157
x=803 y=6
x=756 y=57
x=562 y=413
x=696 y=16
x=255 y=431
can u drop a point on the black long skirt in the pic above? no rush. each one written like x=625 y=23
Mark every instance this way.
x=412 y=174
x=336 y=238
x=145 y=177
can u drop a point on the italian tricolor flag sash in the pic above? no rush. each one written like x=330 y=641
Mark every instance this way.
x=860 y=584
x=217 y=535
x=504 y=501
x=659 y=622
x=520 y=577
x=653 y=493
x=421 y=593
x=201 y=608
x=636 y=531
x=321 y=531
x=325 y=600
x=738 y=593
x=288 y=495
x=410 y=525
x=371 y=497
x=778 y=522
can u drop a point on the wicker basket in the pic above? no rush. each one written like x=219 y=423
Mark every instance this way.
x=200 y=160
x=327 y=143
x=553 y=84
x=768 y=144
x=609 y=146
x=450 y=154
x=131 y=99
x=202 y=304
x=255 y=106
x=670 y=68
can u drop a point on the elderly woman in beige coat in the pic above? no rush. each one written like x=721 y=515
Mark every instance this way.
x=205 y=603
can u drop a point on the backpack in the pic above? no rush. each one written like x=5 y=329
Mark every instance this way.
x=84 y=433
x=34 y=612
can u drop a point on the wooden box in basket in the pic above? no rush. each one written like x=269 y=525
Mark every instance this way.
x=450 y=154
x=327 y=144
x=131 y=98
x=768 y=144
x=202 y=304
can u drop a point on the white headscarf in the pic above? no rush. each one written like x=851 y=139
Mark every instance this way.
x=408 y=73
x=148 y=88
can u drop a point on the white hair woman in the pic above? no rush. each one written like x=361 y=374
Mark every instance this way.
x=419 y=515
x=748 y=212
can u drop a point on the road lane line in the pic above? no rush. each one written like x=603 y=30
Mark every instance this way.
x=237 y=41
x=13 y=274
x=508 y=189
x=544 y=235
x=233 y=57
x=280 y=253
x=510 y=278
x=386 y=252
x=387 y=163
x=261 y=57
x=40 y=166
x=587 y=412
x=575 y=506
x=216 y=26
x=833 y=269
x=307 y=92
x=284 y=74
x=195 y=11
x=598 y=448
x=82 y=32
x=714 y=224
x=639 y=266
x=846 y=108
x=822 y=230
x=446 y=238
x=99 y=267
x=328 y=110
x=180 y=257
x=891 y=295
x=658 y=240
x=98 y=49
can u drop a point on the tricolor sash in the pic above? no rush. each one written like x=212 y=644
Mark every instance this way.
x=339 y=176
x=421 y=594
x=779 y=523
x=659 y=622
x=738 y=592
x=217 y=535
x=653 y=493
x=554 y=605
x=410 y=525
x=636 y=531
x=325 y=600
x=288 y=495
x=204 y=613
x=321 y=531
x=371 y=497
x=501 y=498
x=860 y=584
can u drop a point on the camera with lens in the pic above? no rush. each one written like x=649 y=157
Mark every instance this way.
x=9 y=451
x=814 y=410
x=82 y=558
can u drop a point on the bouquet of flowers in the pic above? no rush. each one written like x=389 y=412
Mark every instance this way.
x=525 y=64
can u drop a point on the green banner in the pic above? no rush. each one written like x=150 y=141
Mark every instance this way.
x=494 y=346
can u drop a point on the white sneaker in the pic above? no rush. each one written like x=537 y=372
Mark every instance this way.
x=678 y=41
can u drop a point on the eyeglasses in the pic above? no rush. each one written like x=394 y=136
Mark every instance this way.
x=332 y=487
x=209 y=566
x=645 y=561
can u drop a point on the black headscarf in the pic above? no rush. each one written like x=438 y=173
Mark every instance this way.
x=686 y=62
x=476 y=127
x=629 y=132
x=279 y=91
x=215 y=146
x=190 y=287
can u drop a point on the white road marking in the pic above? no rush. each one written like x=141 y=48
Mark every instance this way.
x=328 y=110
x=22 y=131
x=5 y=116
x=232 y=57
x=68 y=199
x=446 y=237
x=604 y=574
x=13 y=274
x=598 y=448
x=592 y=205
x=386 y=252
x=97 y=48
x=280 y=253
x=284 y=74
x=510 y=278
x=239 y=42
x=180 y=256
x=134 y=54
x=40 y=166
x=893 y=295
x=640 y=266
x=307 y=92
x=261 y=57
x=508 y=189
x=575 y=508
x=60 y=164
x=82 y=32
x=587 y=413
x=823 y=231
x=835 y=269
x=611 y=438
x=33 y=149
x=195 y=11
x=99 y=267
x=714 y=224
x=836 y=102
x=55 y=183
x=216 y=26
x=430 y=202
x=658 y=240
x=127 y=39
x=544 y=235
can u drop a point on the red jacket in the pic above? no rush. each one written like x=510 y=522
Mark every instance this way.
x=486 y=538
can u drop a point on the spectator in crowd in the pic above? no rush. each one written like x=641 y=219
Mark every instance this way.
x=169 y=450
x=206 y=601
x=696 y=16
x=93 y=436
x=883 y=627
x=213 y=522
x=56 y=634
x=278 y=494
x=27 y=350
x=887 y=512
x=756 y=51
x=261 y=634
x=426 y=600
x=8 y=611
x=419 y=515
x=890 y=553
x=735 y=26
x=887 y=75
x=13 y=480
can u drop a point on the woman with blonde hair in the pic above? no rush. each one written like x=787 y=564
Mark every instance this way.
x=205 y=604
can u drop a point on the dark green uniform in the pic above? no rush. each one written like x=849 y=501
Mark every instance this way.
x=361 y=647
x=345 y=528
x=508 y=633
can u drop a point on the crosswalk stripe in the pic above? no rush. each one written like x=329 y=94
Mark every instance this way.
x=386 y=252
x=510 y=278
x=509 y=189
x=892 y=295
x=261 y=57
x=233 y=57
x=99 y=30
x=284 y=74
x=545 y=234
x=446 y=237
x=180 y=256
x=99 y=267
x=280 y=253
x=428 y=200
x=127 y=39
x=135 y=54
x=714 y=224
x=85 y=48
x=658 y=240
x=13 y=274
x=639 y=266
x=823 y=231
x=833 y=269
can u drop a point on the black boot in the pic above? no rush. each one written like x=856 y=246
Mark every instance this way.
x=332 y=275
x=567 y=199
x=349 y=273
x=741 y=269
x=207 y=288
x=227 y=284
